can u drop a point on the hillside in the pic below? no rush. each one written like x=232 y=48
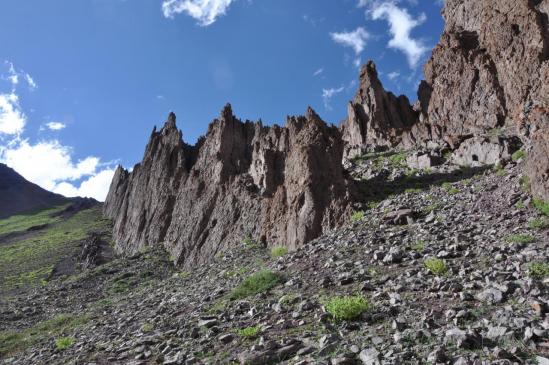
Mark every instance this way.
x=447 y=265
x=18 y=195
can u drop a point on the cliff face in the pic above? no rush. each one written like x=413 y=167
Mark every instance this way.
x=490 y=71
x=278 y=185
x=489 y=67
x=376 y=119
x=485 y=93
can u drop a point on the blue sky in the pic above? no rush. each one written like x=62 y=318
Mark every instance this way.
x=82 y=83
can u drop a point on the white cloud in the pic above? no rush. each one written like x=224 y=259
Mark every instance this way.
x=13 y=77
x=401 y=24
x=48 y=163
x=12 y=119
x=393 y=75
x=327 y=95
x=55 y=126
x=30 y=81
x=96 y=186
x=318 y=72
x=355 y=39
x=205 y=11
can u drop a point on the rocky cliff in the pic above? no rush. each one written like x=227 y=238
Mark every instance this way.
x=376 y=119
x=485 y=93
x=276 y=185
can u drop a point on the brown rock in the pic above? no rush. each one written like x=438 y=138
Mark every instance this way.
x=278 y=185
x=376 y=118
x=490 y=70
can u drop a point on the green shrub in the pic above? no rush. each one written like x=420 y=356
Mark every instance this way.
x=520 y=205
x=541 y=206
x=64 y=343
x=249 y=332
x=397 y=159
x=539 y=223
x=436 y=266
x=520 y=238
x=278 y=251
x=525 y=183
x=418 y=246
x=450 y=189
x=249 y=242
x=357 y=216
x=538 y=270
x=520 y=154
x=346 y=308
x=373 y=205
x=256 y=283
x=147 y=327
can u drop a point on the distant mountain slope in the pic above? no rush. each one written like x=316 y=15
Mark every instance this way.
x=17 y=195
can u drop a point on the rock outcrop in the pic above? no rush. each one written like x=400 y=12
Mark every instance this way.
x=376 y=118
x=277 y=185
x=490 y=71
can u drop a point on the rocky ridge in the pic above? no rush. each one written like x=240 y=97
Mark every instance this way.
x=484 y=97
x=278 y=185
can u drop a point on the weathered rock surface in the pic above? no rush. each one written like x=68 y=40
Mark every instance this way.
x=376 y=118
x=278 y=185
x=490 y=71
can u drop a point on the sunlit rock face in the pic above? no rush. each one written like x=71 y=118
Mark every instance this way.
x=279 y=185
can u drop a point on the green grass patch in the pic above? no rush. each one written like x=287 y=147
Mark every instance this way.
x=278 y=251
x=538 y=270
x=64 y=343
x=357 y=216
x=398 y=159
x=450 y=189
x=541 y=206
x=18 y=223
x=524 y=182
x=520 y=238
x=519 y=155
x=147 y=327
x=256 y=283
x=436 y=266
x=373 y=205
x=539 y=224
x=418 y=246
x=249 y=332
x=346 y=308
x=250 y=243
x=240 y=271
x=28 y=262
x=12 y=341
x=31 y=278
x=121 y=284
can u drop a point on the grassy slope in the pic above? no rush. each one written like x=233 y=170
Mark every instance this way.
x=30 y=260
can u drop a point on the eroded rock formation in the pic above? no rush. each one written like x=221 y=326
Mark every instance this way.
x=376 y=118
x=278 y=185
x=486 y=86
x=489 y=72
